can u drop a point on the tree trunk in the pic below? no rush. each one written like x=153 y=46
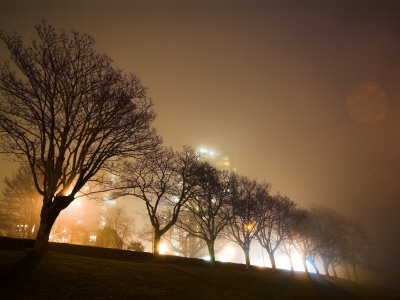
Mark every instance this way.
x=305 y=267
x=42 y=238
x=48 y=216
x=211 y=253
x=20 y=272
x=272 y=260
x=247 y=256
x=355 y=272
x=346 y=269
x=314 y=266
x=156 y=245
x=31 y=235
x=326 y=268
x=291 y=263
x=334 y=271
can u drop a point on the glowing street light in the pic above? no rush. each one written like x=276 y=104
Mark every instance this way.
x=249 y=227
x=162 y=248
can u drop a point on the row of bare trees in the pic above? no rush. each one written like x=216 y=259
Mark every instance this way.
x=189 y=200
x=321 y=233
x=194 y=204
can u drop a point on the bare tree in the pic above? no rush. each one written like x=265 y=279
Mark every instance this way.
x=246 y=207
x=21 y=204
x=296 y=217
x=274 y=224
x=211 y=209
x=146 y=234
x=118 y=219
x=305 y=237
x=165 y=180
x=329 y=229
x=67 y=112
x=338 y=241
x=358 y=248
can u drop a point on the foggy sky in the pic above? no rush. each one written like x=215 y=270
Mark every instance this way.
x=275 y=87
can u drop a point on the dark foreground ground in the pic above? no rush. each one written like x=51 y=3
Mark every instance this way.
x=69 y=276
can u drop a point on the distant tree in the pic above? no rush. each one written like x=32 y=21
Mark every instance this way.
x=67 y=112
x=5 y=226
x=165 y=180
x=146 y=234
x=296 y=217
x=305 y=238
x=109 y=238
x=211 y=209
x=246 y=208
x=135 y=246
x=274 y=224
x=118 y=219
x=329 y=229
x=21 y=203
x=358 y=249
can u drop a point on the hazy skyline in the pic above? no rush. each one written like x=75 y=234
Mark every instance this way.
x=304 y=95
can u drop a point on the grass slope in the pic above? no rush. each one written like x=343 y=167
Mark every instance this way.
x=66 y=276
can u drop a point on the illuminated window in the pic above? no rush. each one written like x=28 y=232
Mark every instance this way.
x=92 y=238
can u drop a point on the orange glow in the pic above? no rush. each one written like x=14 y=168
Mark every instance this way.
x=162 y=248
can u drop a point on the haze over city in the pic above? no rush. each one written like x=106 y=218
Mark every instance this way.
x=303 y=95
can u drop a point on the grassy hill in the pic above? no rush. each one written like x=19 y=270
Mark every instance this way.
x=69 y=276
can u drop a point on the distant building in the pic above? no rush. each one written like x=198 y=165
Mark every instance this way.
x=216 y=159
x=77 y=235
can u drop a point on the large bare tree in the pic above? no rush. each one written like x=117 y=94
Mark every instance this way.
x=67 y=112
x=165 y=180
x=211 y=209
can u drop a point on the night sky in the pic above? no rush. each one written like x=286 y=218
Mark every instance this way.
x=304 y=95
